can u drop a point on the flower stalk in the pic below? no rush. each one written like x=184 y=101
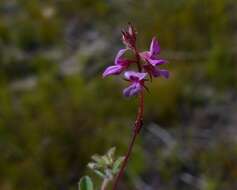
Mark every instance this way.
x=137 y=127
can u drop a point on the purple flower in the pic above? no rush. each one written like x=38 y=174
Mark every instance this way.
x=153 y=60
x=137 y=79
x=120 y=64
x=155 y=72
x=147 y=63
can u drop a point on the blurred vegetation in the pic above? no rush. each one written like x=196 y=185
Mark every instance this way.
x=56 y=110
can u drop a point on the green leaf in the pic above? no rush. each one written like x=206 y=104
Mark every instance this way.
x=99 y=173
x=85 y=183
x=110 y=152
x=92 y=165
x=100 y=161
x=117 y=164
x=105 y=160
x=96 y=158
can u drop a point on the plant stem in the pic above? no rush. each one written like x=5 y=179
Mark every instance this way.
x=137 y=126
x=138 y=60
x=104 y=184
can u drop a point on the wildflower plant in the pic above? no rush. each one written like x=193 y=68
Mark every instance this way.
x=105 y=166
x=138 y=70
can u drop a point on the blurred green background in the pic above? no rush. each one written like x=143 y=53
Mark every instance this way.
x=56 y=110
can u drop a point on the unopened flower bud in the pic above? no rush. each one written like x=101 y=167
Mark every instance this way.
x=129 y=37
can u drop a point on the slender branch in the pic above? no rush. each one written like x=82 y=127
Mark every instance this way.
x=136 y=130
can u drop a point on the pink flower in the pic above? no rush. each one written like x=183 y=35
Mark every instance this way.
x=147 y=63
x=152 y=59
x=137 y=79
x=120 y=64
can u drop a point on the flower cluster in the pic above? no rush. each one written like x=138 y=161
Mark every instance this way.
x=147 y=63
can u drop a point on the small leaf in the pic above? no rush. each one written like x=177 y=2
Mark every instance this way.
x=85 y=183
x=110 y=152
x=92 y=165
x=117 y=164
x=96 y=158
x=106 y=160
x=99 y=160
x=99 y=173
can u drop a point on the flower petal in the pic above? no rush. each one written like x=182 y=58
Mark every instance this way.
x=134 y=76
x=113 y=70
x=164 y=73
x=119 y=55
x=152 y=70
x=154 y=47
x=145 y=55
x=132 y=90
x=156 y=62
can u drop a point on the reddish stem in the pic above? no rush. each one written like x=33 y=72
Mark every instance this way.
x=136 y=129
x=138 y=60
